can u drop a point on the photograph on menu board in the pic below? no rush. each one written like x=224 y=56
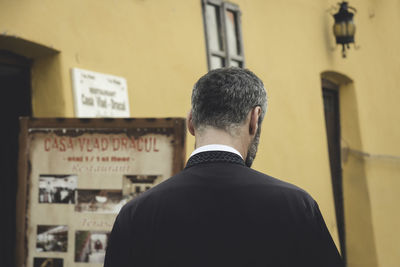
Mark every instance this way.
x=52 y=238
x=134 y=185
x=59 y=189
x=90 y=246
x=48 y=262
x=99 y=200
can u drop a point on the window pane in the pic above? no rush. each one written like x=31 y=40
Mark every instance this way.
x=213 y=27
x=216 y=62
x=235 y=63
x=232 y=32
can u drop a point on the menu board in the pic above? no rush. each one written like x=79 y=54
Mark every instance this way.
x=75 y=176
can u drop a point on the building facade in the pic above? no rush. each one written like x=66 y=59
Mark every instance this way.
x=162 y=47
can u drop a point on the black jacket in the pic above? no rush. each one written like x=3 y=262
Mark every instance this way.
x=218 y=212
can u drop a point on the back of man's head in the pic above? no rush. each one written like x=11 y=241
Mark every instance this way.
x=224 y=97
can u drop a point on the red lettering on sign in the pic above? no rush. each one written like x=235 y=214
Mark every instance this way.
x=96 y=144
x=47 y=142
x=139 y=144
x=104 y=144
x=88 y=147
x=81 y=143
x=62 y=144
x=124 y=142
x=147 y=147
x=116 y=144
x=133 y=143
x=154 y=145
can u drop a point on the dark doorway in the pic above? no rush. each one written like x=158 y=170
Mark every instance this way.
x=15 y=102
x=332 y=121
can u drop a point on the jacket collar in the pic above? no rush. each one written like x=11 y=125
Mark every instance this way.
x=214 y=157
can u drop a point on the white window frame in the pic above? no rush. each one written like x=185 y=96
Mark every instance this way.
x=227 y=55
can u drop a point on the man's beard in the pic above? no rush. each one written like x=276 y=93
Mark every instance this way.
x=252 y=151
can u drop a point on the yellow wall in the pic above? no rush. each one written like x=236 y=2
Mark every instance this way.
x=159 y=47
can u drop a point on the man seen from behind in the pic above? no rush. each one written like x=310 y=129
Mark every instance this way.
x=218 y=211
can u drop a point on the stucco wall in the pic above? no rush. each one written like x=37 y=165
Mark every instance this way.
x=159 y=47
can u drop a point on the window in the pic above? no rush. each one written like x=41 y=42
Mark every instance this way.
x=223 y=34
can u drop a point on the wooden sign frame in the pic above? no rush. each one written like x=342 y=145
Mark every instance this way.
x=171 y=130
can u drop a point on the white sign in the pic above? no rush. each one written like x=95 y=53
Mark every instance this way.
x=99 y=95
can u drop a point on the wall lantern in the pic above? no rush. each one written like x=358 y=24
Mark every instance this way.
x=344 y=28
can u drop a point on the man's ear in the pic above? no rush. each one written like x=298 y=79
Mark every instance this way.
x=189 y=123
x=255 y=113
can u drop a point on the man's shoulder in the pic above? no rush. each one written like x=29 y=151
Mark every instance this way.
x=244 y=179
x=280 y=187
x=277 y=182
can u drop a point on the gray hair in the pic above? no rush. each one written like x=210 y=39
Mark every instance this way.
x=223 y=98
